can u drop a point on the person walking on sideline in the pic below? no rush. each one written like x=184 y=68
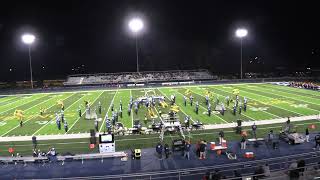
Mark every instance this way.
x=187 y=148
x=307 y=135
x=243 y=143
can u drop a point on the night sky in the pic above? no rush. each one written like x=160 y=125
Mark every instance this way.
x=92 y=36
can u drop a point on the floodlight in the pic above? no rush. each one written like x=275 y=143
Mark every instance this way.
x=28 y=38
x=241 y=33
x=136 y=25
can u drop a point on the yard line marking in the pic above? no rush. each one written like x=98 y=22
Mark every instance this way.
x=153 y=107
x=251 y=105
x=205 y=109
x=103 y=120
x=282 y=96
x=131 y=113
x=64 y=110
x=9 y=99
x=84 y=112
x=271 y=104
x=180 y=108
x=31 y=108
x=227 y=106
x=293 y=89
x=32 y=116
x=22 y=104
x=290 y=94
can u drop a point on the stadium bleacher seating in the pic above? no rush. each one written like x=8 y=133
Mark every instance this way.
x=134 y=77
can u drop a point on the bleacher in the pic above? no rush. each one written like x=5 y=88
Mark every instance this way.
x=141 y=77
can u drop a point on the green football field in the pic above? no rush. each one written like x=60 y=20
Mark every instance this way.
x=265 y=101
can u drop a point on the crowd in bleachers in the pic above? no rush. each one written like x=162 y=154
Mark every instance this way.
x=135 y=77
x=305 y=85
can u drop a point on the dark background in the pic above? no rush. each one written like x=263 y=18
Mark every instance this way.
x=92 y=36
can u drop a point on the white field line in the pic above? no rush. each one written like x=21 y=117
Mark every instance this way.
x=252 y=106
x=22 y=104
x=206 y=109
x=84 y=112
x=258 y=89
x=227 y=107
x=85 y=91
x=180 y=108
x=32 y=107
x=103 y=120
x=9 y=99
x=153 y=107
x=276 y=98
x=131 y=113
x=32 y=116
x=292 y=89
x=86 y=135
x=53 y=118
x=270 y=104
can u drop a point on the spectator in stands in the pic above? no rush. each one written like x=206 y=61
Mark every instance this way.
x=159 y=149
x=301 y=165
x=207 y=176
x=243 y=143
x=293 y=171
x=187 y=148
x=237 y=175
x=258 y=173
x=266 y=170
x=216 y=175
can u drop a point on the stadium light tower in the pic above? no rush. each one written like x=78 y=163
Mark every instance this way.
x=241 y=33
x=29 y=39
x=136 y=25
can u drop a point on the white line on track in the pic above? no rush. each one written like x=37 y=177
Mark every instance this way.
x=103 y=120
x=84 y=112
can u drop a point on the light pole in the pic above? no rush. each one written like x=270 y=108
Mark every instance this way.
x=241 y=33
x=29 y=39
x=136 y=25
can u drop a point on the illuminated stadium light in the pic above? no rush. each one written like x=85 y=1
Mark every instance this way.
x=28 y=38
x=241 y=33
x=136 y=25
